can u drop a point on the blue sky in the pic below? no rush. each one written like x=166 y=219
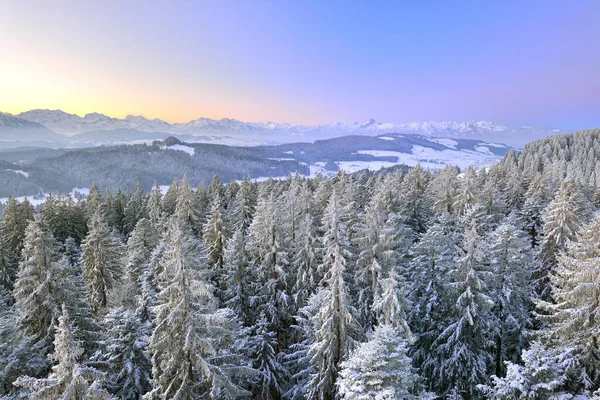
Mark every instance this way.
x=512 y=62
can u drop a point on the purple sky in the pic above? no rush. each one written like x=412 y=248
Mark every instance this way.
x=512 y=62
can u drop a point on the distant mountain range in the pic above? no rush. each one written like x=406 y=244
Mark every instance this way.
x=57 y=128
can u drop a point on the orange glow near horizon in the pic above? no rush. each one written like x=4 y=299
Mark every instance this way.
x=36 y=78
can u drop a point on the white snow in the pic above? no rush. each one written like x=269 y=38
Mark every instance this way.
x=181 y=147
x=427 y=157
x=501 y=146
x=318 y=168
x=281 y=159
x=382 y=153
x=37 y=200
x=483 y=149
x=445 y=142
x=386 y=138
x=288 y=152
x=18 y=171
x=353 y=166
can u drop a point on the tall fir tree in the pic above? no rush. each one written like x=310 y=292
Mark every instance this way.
x=70 y=378
x=464 y=346
x=238 y=279
x=433 y=259
x=128 y=363
x=379 y=369
x=270 y=263
x=101 y=260
x=155 y=206
x=572 y=316
x=215 y=235
x=563 y=219
x=141 y=244
x=271 y=373
x=185 y=207
x=244 y=206
x=336 y=331
x=413 y=200
x=134 y=210
x=190 y=341
x=15 y=218
x=511 y=260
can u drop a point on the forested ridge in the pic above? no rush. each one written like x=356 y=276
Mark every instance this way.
x=400 y=284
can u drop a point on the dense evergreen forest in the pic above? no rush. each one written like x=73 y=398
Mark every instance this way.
x=400 y=284
x=125 y=166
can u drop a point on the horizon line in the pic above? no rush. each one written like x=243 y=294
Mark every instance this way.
x=371 y=120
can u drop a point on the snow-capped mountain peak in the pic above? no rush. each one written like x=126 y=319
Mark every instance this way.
x=272 y=132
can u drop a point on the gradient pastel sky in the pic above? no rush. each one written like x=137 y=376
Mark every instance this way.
x=302 y=61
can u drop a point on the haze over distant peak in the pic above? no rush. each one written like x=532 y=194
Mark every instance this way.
x=272 y=132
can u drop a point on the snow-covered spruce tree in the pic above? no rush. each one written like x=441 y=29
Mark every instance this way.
x=542 y=376
x=189 y=346
x=573 y=314
x=185 y=208
x=563 y=219
x=169 y=202
x=305 y=261
x=390 y=304
x=149 y=279
x=16 y=355
x=536 y=201
x=292 y=209
x=375 y=238
x=379 y=369
x=70 y=378
x=128 y=363
x=513 y=180
x=244 y=205
x=46 y=281
x=229 y=197
x=467 y=192
x=336 y=329
x=116 y=218
x=135 y=210
x=433 y=258
x=107 y=204
x=6 y=272
x=33 y=290
x=202 y=204
x=216 y=188
x=215 y=235
x=101 y=260
x=15 y=218
x=465 y=345
x=297 y=359
x=237 y=279
x=442 y=190
x=412 y=198
x=271 y=373
x=492 y=197
x=335 y=233
x=510 y=261
x=65 y=217
x=94 y=203
x=71 y=251
x=270 y=261
x=141 y=244
x=69 y=290
x=155 y=206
